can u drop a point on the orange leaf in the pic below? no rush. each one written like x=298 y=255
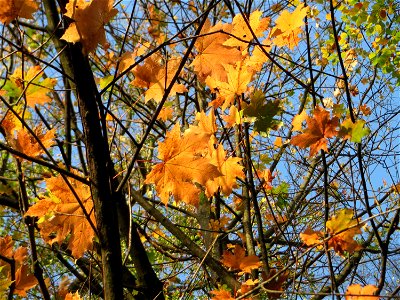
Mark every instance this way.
x=30 y=84
x=12 y=9
x=343 y=228
x=71 y=296
x=228 y=167
x=242 y=31
x=319 y=128
x=156 y=77
x=311 y=237
x=288 y=27
x=212 y=55
x=239 y=261
x=357 y=292
x=221 y=294
x=24 y=280
x=183 y=164
x=238 y=79
x=60 y=215
x=89 y=19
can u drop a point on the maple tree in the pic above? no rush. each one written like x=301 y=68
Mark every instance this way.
x=199 y=149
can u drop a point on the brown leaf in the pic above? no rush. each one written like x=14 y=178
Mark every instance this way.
x=239 y=261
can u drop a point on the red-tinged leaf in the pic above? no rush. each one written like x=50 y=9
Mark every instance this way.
x=221 y=294
x=275 y=286
x=239 y=261
x=319 y=129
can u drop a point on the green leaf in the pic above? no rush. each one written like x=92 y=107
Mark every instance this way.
x=264 y=113
x=359 y=131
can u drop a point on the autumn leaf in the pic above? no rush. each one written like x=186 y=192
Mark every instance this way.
x=12 y=9
x=342 y=229
x=89 y=20
x=24 y=279
x=239 y=261
x=183 y=165
x=311 y=237
x=353 y=131
x=319 y=128
x=212 y=54
x=264 y=111
x=22 y=140
x=241 y=31
x=71 y=296
x=221 y=294
x=60 y=215
x=298 y=120
x=274 y=286
x=257 y=58
x=357 y=292
x=237 y=83
x=165 y=114
x=233 y=118
x=288 y=27
x=229 y=168
x=156 y=77
x=31 y=84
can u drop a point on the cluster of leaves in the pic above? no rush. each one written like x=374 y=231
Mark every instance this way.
x=198 y=129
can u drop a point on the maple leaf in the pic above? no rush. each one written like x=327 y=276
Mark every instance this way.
x=60 y=215
x=353 y=131
x=233 y=118
x=357 y=292
x=183 y=164
x=221 y=294
x=242 y=31
x=264 y=112
x=311 y=237
x=238 y=79
x=239 y=261
x=212 y=54
x=156 y=77
x=319 y=128
x=275 y=286
x=343 y=228
x=24 y=279
x=12 y=9
x=257 y=58
x=288 y=27
x=31 y=84
x=165 y=114
x=228 y=167
x=71 y=296
x=298 y=120
x=22 y=140
x=89 y=20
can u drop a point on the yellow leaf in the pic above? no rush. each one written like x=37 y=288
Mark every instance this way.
x=298 y=120
x=288 y=27
x=89 y=20
x=242 y=31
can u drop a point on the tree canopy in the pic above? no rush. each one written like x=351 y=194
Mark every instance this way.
x=199 y=149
